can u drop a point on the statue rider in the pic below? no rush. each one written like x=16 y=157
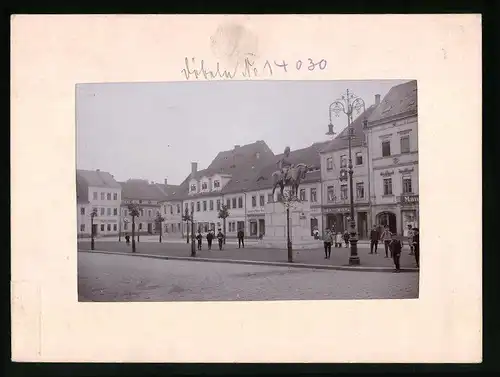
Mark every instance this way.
x=284 y=164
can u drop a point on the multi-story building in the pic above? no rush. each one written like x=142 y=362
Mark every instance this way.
x=148 y=196
x=335 y=196
x=225 y=181
x=393 y=153
x=97 y=190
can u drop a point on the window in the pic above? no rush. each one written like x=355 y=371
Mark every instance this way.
x=108 y=196
x=115 y=211
x=171 y=209
x=270 y=198
x=192 y=206
x=114 y=227
x=186 y=206
x=388 y=186
x=102 y=211
x=314 y=198
x=140 y=226
x=204 y=205
x=82 y=210
x=82 y=228
x=108 y=211
x=172 y=227
x=360 y=190
x=149 y=212
x=343 y=161
x=102 y=195
x=329 y=163
x=405 y=144
x=302 y=194
x=407 y=185
x=125 y=226
x=94 y=195
x=234 y=202
x=140 y=201
x=125 y=213
x=142 y=212
x=254 y=201
x=386 y=148
x=343 y=192
x=115 y=196
x=240 y=202
x=179 y=227
x=197 y=206
x=330 y=193
x=216 y=184
x=178 y=208
x=280 y=197
x=359 y=158
x=102 y=227
x=262 y=200
x=165 y=209
x=204 y=186
x=218 y=204
x=228 y=203
x=193 y=188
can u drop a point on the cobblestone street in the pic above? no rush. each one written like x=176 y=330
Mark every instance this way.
x=107 y=278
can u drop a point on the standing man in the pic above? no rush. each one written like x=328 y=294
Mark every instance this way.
x=199 y=237
x=374 y=237
x=416 y=245
x=220 y=238
x=386 y=239
x=241 y=241
x=327 y=243
x=210 y=237
x=396 y=247
x=409 y=235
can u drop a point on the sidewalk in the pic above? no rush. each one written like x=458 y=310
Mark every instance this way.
x=339 y=257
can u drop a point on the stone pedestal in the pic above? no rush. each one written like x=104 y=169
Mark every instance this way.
x=300 y=231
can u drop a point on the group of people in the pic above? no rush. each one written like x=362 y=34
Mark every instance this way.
x=210 y=236
x=393 y=244
x=330 y=237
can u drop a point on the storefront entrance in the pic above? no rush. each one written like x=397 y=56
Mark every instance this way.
x=362 y=225
x=314 y=225
x=387 y=219
x=338 y=221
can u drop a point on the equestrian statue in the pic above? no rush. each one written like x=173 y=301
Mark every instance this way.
x=289 y=174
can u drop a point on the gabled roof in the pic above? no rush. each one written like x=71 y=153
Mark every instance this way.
x=242 y=163
x=342 y=142
x=400 y=101
x=97 y=178
x=134 y=189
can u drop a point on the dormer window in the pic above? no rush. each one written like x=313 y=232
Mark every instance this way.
x=204 y=186
x=216 y=184
x=193 y=188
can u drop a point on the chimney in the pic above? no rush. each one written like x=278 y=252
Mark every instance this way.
x=236 y=146
x=98 y=170
x=377 y=99
x=165 y=181
x=194 y=167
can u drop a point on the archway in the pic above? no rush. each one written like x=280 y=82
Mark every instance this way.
x=387 y=219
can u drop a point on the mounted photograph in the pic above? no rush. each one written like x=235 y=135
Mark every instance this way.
x=247 y=190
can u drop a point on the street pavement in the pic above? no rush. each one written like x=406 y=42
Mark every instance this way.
x=339 y=256
x=111 y=278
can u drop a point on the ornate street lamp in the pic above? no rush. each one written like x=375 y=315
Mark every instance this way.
x=347 y=104
x=92 y=235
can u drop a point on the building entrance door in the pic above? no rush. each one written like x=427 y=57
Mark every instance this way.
x=387 y=219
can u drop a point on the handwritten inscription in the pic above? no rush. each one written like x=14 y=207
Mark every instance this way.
x=194 y=69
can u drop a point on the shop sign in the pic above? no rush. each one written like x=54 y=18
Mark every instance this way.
x=409 y=199
x=337 y=210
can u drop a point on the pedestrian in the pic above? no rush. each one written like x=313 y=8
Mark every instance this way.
x=327 y=242
x=316 y=233
x=220 y=238
x=374 y=237
x=127 y=239
x=386 y=238
x=210 y=237
x=409 y=236
x=241 y=237
x=396 y=246
x=416 y=245
x=199 y=237
x=338 y=239
x=346 y=238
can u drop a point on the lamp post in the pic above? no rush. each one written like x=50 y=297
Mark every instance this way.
x=190 y=218
x=159 y=220
x=92 y=215
x=347 y=104
x=134 y=212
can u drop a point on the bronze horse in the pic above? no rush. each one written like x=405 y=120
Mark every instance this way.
x=294 y=176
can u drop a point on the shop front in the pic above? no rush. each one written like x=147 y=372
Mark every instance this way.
x=256 y=222
x=409 y=211
x=339 y=217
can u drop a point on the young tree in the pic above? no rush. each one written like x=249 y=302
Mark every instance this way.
x=186 y=217
x=224 y=214
x=159 y=220
x=134 y=212
x=92 y=233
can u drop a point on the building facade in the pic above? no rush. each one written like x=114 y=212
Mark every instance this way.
x=98 y=190
x=392 y=132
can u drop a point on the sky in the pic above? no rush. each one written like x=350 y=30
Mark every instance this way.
x=154 y=131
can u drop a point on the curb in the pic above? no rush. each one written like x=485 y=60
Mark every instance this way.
x=257 y=263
